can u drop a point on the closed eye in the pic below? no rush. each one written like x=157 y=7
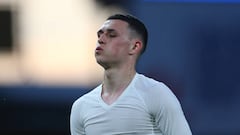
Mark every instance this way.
x=109 y=32
x=112 y=35
x=99 y=33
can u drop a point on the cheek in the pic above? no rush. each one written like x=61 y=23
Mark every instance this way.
x=120 y=49
x=121 y=45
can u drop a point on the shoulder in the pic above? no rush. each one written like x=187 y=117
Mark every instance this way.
x=155 y=94
x=87 y=98
x=149 y=85
x=81 y=106
x=163 y=105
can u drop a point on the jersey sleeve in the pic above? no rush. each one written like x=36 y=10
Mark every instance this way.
x=76 y=124
x=167 y=111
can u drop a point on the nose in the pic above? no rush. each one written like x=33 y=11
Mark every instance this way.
x=101 y=39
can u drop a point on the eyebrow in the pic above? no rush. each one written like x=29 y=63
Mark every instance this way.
x=108 y=31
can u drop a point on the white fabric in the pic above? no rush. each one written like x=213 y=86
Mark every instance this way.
x=146 y=107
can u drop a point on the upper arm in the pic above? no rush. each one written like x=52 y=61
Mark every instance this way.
x=168 y=114
x=76 y=124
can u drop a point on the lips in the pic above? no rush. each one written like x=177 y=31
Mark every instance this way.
x=99 y=48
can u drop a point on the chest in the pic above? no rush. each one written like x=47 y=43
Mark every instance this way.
x=121 y=118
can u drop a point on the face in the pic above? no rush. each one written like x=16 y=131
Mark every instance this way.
x=113 y=43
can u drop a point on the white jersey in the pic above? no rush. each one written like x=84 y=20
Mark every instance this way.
x=146 y=107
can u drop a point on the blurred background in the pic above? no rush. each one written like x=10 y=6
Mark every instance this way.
x=47 y=59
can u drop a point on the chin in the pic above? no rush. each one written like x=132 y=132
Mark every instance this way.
x=102 y=63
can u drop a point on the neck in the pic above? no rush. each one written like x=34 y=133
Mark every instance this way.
x=116 y=80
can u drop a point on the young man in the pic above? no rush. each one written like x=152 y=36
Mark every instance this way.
x=126 y=102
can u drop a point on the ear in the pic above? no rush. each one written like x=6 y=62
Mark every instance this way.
x=135 y=47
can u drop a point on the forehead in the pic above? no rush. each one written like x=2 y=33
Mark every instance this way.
x=117 y=25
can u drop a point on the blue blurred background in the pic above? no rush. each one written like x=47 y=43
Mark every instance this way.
x=194 y=48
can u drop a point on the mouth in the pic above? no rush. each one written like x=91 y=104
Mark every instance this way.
x=98 y=49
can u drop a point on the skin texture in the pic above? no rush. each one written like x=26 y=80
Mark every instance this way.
x=116 y=51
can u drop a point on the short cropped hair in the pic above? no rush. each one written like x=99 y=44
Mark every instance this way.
x=135 y=25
